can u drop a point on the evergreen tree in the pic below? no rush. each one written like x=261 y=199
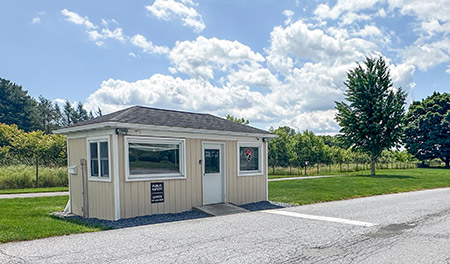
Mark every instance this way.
x=373 y=118
x=16 y=106
x=427 y=134
x=67 y=113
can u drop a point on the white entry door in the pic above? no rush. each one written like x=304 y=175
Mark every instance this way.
x=213 y=173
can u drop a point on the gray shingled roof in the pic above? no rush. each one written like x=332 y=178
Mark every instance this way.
x=170 y=118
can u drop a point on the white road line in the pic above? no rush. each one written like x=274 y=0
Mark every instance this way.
x=321 y=218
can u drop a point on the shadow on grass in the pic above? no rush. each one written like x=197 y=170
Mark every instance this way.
x=80 y=221
x=384 y=176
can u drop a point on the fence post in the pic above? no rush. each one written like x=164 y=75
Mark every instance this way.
x=37 y=171
x=84 y=181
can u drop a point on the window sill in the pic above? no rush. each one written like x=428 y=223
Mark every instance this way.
x=99 y=179
x=155 y=178
x=257 y=173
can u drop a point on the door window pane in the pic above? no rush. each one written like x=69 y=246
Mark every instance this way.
x=212 y=161
x=249 y=158
x=151 y=158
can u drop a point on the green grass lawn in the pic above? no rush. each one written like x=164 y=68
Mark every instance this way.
x=35 y=190
x=29 y=218
x=357 y=184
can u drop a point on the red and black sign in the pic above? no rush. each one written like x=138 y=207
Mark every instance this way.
x=248 y=153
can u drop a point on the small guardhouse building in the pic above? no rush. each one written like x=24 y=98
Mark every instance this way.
x=142 y=161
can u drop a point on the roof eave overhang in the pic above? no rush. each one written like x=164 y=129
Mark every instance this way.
x=113 y=125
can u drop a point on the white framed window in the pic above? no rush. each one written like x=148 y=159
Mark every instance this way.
x=99 y=165
x=154 y=158
x=249 y=158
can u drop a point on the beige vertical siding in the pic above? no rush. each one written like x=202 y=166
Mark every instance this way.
x=179 y=195
x=243 y=189
x=183 y=194
x=100 y=194
x=77 y=151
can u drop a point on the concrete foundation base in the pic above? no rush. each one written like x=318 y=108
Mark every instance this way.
x=220 y=209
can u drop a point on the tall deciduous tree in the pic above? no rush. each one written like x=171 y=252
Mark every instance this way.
x=427 y=134
x=280 y=148
x=372 y=120
x=236 y=119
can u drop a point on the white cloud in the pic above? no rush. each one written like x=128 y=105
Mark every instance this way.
x=294 y=82
x=448 y=69
x=425 y=56
x=288 y=14
x=299 y=41
x=147 y=46
x=36 y=20
x=424 y=10
x=201 y=57
x=77 y=19
x=370 y=31
x=323 y=11
x=106 y=33
x=168 y=9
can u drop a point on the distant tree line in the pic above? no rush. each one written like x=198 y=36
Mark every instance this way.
x=304 y=150
x=26 y=125
x=29 y=114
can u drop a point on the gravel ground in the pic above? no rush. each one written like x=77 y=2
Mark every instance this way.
x=140 y=220
x=164 y=218
x=265 y=205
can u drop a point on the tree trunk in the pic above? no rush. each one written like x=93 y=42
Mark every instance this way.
x=340 y=167
x=37 y=172
x=305 y=170
x=290 y=170
x=372 y=168
x=318 y=168
x=447 y=163
x=273 y=169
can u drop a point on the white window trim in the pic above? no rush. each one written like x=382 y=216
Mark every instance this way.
x=98 y=178
x=259 y=172
x=148 y=177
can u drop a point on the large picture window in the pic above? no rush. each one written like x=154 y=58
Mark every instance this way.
x=98 y=159
x=249 y=159
x=154 y=158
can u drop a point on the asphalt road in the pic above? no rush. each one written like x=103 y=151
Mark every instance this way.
x=401 y=228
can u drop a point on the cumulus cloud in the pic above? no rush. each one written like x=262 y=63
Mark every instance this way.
x=425 y=56
x=294 y=81
x=147 y=46
x=106 y=33
x=288 y=14
x=184 y=10
x=324 y=11
x=201 y=57
x=98 y=36
x=77 y=19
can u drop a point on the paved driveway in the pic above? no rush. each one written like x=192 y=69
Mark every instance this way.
x=400 y=228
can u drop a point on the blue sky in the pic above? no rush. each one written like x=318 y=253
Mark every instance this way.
x=273 y=62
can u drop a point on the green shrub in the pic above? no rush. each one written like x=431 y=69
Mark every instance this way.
x=22 y=176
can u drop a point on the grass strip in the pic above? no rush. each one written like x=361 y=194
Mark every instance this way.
x=35 y=190
x=359 y=184
x=29 y=218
